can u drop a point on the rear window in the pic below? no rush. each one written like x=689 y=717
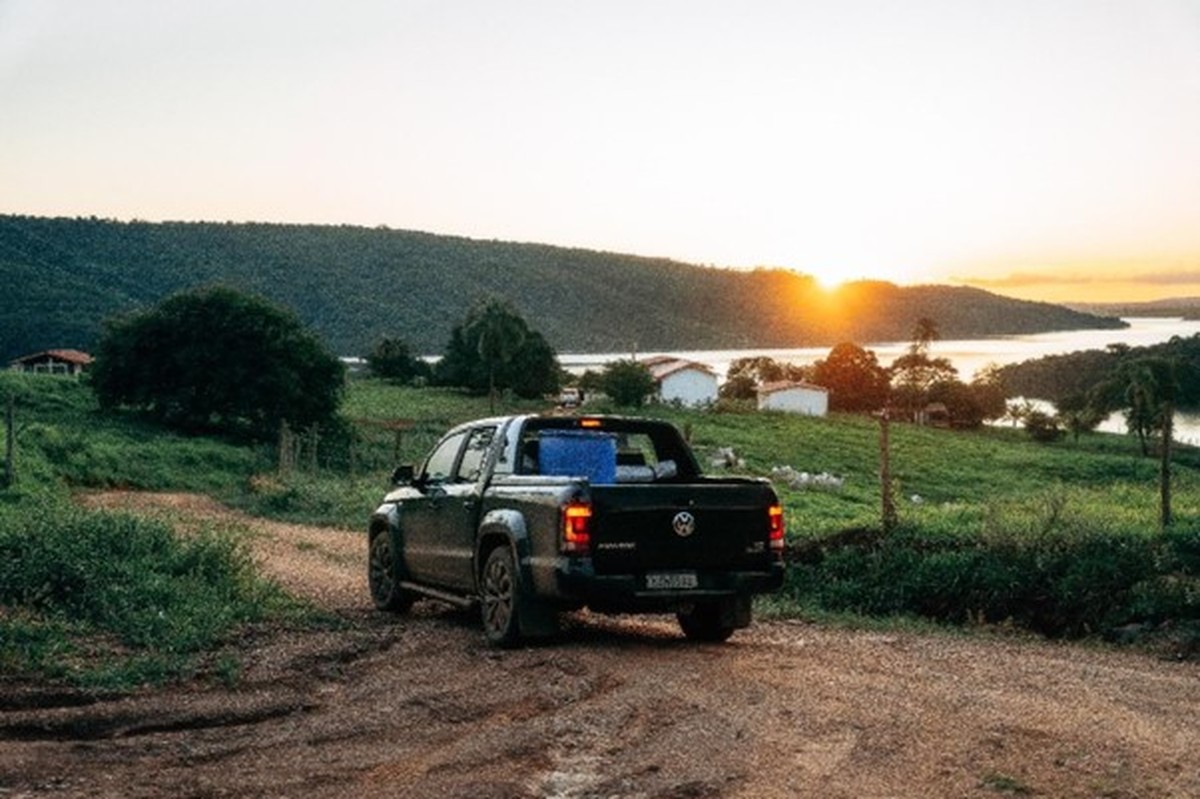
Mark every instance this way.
x=615 y=452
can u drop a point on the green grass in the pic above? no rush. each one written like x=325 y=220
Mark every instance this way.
x=110 y=600
x=995 y=528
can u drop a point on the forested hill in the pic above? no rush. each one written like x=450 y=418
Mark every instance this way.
x=62 y=277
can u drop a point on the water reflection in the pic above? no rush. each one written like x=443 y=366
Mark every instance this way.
x=968 y=356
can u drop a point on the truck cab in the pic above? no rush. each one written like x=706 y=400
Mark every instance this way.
x=528 y=516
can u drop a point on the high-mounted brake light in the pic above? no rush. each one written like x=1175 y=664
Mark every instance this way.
x=775 y=529
x=576 y=528
x=590 y=423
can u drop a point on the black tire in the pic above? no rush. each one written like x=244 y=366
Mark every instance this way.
x=706 y=622
x=499 y=588
x=384 y=575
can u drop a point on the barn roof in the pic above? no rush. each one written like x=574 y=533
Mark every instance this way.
x=786 y=385
x=662 y=366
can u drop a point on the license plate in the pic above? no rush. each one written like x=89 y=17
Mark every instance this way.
x=667 y=580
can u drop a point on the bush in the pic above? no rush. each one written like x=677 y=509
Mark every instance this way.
x=627 y=383
x=217 y=360
x=1051 y=572
x=1042 y=427
x=63 y=569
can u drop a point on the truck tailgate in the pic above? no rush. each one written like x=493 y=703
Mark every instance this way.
x=705 y=525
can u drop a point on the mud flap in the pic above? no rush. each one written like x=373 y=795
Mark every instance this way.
x=537 y=619
x=735 y=612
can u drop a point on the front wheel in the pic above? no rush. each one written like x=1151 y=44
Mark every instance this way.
x=498 y=593
x=383 y=575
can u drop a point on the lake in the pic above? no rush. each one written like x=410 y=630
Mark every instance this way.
x=968 y=356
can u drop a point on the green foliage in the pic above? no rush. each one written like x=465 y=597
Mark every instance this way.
x=217 y=360
x=1042 y=426
x=63 y=438
x=72 y=575
x=627 y=383
x=856 y=381
x=1054 y=563
x=1103 y=374
x=391 y=359
x=1059 y=537
x=495 y=349
x=351 y=284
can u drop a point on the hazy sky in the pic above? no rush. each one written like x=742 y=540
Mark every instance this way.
x=1049 y=147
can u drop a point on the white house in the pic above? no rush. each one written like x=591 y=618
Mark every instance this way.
x=684 y=381
x=794 y=397
x=53 y=362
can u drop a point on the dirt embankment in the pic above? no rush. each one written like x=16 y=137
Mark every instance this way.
x=418 y=706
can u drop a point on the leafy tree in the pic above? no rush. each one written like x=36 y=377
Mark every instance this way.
x=739 y=387
x=854 y=377
x=1080 y=420
x=914 y=374
x=961 y=401
x=215 y=359
x=1041 y=426
x=391 y=360
x=745 y=375
x=627 y=382
x=494 y=349
x=990 y=393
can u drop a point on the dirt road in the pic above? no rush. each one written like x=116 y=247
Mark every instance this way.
x=419 y=706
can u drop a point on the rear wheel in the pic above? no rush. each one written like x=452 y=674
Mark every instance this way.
x=707 y=621
x=383 y=575
x=498 y=591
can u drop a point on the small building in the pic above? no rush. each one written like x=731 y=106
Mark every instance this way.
x=53 y=362
x=794 y=397
x=683 y=381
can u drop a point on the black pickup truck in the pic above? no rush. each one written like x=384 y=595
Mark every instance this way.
x=531 y=515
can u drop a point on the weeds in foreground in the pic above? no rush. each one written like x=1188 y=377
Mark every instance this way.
x=110 y=600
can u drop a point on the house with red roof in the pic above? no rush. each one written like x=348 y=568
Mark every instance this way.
x=53 y=362
x=794 y=397
x=683 y=381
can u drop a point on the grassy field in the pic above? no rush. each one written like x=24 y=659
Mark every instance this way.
x=1060 y=538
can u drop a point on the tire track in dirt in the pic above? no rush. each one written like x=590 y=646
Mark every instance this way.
x=418 y=706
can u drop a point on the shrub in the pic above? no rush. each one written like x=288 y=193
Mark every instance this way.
x=161 y=597
x=217 y=360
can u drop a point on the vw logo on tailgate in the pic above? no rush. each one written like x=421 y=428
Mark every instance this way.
x=684 y=524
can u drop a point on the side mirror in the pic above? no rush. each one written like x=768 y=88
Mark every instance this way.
x=403 y=475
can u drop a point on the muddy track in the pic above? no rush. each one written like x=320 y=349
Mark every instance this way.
x=418 y=706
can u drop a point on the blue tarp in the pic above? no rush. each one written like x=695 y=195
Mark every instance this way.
x=578 y=453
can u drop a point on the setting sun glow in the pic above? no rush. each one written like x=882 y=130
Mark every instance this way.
x=1033 y=149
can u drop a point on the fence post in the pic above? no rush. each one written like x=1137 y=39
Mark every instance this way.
x=314 y=436
x=10 y=474
x=888 y=501
x=287 y=455
x=1168 y=430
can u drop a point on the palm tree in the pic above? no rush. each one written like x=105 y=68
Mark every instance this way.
x=924 y=334
x=1151 y=389
x=500 y=332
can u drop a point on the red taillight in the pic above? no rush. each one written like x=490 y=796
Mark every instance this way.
x=775 y=528
x=576 y=528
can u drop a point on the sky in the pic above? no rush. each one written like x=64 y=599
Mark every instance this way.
x=1044 y=149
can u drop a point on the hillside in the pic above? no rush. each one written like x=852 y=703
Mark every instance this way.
x=1184 y=307
x=62 y=277
x=1059 y=377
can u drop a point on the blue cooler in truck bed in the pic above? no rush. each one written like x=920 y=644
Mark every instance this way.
x=578 y=453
